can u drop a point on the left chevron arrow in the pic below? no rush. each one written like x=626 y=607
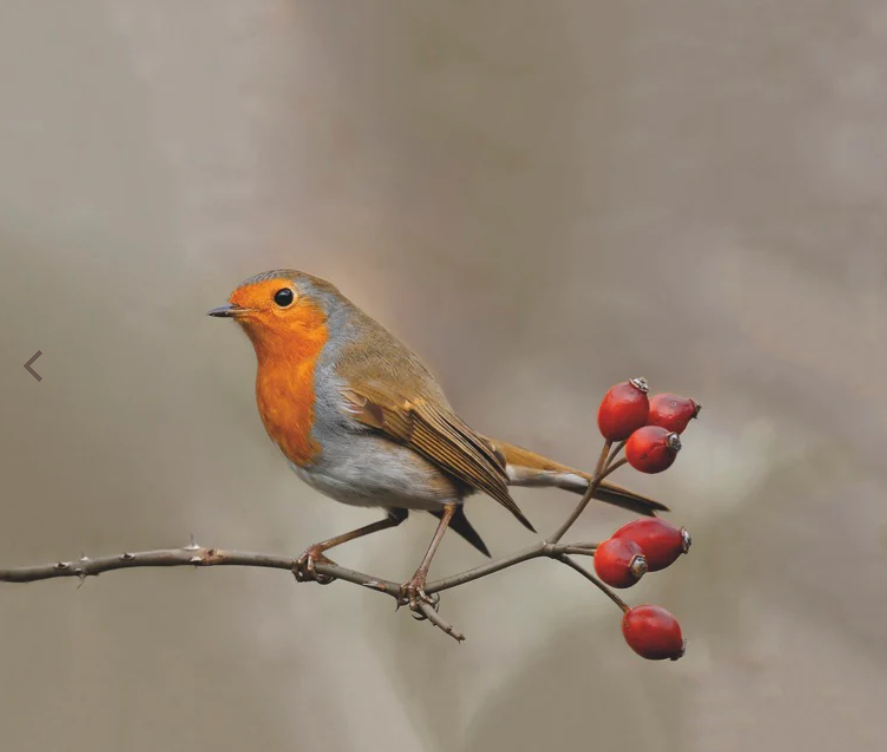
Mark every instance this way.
x=31 y=370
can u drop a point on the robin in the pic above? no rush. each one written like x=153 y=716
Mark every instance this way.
x=361 y=419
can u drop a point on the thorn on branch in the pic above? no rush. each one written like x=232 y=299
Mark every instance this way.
x=375 y=585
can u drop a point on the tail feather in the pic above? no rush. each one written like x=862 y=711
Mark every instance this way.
x=526 y=468
x=460 y=524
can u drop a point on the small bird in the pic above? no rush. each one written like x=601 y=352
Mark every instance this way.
x=361 y=419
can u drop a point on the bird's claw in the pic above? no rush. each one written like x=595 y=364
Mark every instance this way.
x=305 y=570
x=413 y=595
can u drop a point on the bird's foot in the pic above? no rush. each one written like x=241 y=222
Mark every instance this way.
x=412 y=594
x=305 y=570
x=424 y=606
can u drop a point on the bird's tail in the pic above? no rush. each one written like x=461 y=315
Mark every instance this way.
x=526 y=468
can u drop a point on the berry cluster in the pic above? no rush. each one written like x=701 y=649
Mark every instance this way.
x=648 y=428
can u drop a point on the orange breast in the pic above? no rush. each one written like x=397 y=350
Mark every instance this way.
x=285 y=392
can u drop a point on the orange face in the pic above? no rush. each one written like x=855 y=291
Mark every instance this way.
x=288 y=331
x=280 y=322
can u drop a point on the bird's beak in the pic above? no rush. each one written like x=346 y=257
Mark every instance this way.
x=229 y=310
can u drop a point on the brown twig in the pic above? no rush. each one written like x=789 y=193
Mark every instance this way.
x=593 y=485
x=590 y=577
x=203 y=556
x=431 y=614
x=613 y=454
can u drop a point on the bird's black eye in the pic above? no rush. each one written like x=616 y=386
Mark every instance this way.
x=284 y=297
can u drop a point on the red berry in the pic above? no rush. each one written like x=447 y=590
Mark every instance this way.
x=652 y=449
x=619 y=563
x=661 y=542
x=624 y=408
x=672 y=412
x=653 y=633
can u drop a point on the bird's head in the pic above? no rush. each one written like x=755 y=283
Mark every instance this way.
x=282 y=311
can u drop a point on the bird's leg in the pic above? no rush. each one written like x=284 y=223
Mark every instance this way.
x=304 y=569
x=413 y=592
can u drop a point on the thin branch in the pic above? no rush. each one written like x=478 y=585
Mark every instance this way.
x=429 y=613
x=586 y=549
x=192 y=555
x=616 y=449
x=203 y=556
x=593 y=485
x=589 y=576
x=484 y=570
x=612 y=468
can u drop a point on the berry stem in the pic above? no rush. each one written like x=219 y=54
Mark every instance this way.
x=593 y=485
x=616 y=449
x=589 y=576
x=612 y=468
x=602 y=461
x=586 y=549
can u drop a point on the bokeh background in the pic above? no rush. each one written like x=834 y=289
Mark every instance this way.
x=542 y=198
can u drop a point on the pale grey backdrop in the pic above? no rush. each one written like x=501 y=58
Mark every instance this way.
x=542 y=198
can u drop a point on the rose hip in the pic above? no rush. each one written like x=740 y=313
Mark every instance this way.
x=672 y=411
x=624 y=408
x=661 y=542
x=619 y=563
x=652 y=449
x=653 y=633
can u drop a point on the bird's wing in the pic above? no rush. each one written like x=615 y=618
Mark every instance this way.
x=437 y=434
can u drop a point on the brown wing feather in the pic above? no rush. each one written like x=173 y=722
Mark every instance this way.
x=438 y=435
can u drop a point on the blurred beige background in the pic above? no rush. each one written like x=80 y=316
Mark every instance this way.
x=542 y=198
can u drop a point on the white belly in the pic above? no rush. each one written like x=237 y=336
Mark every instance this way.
x=370 y=471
